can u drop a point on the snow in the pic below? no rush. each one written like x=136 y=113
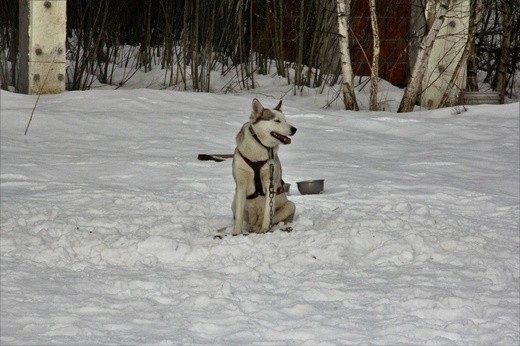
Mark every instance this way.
x=107 y=224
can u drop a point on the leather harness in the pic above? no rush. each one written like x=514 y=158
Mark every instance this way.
x=256 y=166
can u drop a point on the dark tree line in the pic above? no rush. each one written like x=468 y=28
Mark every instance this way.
x=497 y=44
x=190 y=38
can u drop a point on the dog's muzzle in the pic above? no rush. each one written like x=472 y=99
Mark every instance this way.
x=284 y=139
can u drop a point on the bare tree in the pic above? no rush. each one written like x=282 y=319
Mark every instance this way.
x=146 y=46
x=421 y=63
x=349 y=97
x=471 y=62
x=298 y=78
x=374 y=75
x=504 y=49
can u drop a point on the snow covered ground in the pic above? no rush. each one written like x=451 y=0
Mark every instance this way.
x=107 y=224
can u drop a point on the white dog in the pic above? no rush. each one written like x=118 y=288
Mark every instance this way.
x=260 y=200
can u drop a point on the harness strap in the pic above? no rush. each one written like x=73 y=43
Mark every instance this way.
x=256 y=166
x=259 y=188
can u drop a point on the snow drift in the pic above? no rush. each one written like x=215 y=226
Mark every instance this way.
x=107 y=224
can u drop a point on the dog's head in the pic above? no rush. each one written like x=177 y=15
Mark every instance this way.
x=270 y=124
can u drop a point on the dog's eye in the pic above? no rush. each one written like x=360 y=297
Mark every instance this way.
x=277 y=121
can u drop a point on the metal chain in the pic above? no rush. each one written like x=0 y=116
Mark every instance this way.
x=271 y=194
x=271 y=187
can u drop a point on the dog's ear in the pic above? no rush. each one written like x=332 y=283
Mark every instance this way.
x=256 y=111
x=278 y=106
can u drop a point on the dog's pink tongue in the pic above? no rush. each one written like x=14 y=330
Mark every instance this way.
x=287 y=140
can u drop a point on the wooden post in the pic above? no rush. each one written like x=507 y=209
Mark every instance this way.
x=42 y=30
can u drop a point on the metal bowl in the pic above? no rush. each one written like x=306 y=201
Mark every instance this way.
x=310 y=187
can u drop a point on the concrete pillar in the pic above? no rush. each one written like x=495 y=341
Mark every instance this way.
x=446 y=53
x=42 y=31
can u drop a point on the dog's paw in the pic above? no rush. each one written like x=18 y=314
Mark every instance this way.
x=260 y=230
x=237 y=230
x=287 y=229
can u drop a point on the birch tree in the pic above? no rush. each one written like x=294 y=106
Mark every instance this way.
x=414 y=84
x=374 y=75
x=349 y=98
x=474 y=20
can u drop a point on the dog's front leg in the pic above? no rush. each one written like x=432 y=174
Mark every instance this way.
x=266 y=222
x=239 y=204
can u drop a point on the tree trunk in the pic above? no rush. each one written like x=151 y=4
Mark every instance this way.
x=278 y=14
x=349 y=98
x=472 y=67
x=298 y=78
x=195 y=48
x=504 y=49
x=241 y=43
x=147 y=49
x=375 y=57
x=474 y=20
x=251 y=54
x=419 y=68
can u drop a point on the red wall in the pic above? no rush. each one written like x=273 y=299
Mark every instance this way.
x=393 y=19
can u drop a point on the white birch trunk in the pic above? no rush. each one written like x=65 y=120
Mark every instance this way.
x=474 y=21
x=419 y=68
x=349 y=98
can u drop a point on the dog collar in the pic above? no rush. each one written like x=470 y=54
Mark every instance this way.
x=255 y=136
